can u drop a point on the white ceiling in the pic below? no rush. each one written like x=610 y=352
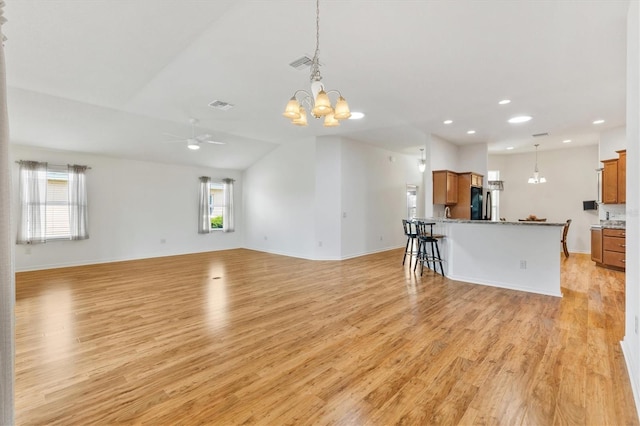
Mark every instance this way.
x=115 y=77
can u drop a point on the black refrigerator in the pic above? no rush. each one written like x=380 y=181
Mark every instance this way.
x=476 y=203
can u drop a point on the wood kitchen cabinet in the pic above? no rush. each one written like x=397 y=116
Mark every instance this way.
x=462 y=209
x=614 y=247
x=614 y=179
x=476 y=180
x=466 y=181
x=622 y=176
x=445 y=187
x=596 y=245
x=610 y=182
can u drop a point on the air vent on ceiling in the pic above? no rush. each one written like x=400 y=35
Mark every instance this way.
x=537 y=135
x=224 y=106
x=301 y=63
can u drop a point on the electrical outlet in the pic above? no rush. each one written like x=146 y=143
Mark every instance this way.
x=163 y=241
x=523 y=264
x=319 y=243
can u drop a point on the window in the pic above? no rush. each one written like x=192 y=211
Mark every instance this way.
x=412 y=201
x=495 y=195
x=57 y=205
x=53 y=203
x=216 y=206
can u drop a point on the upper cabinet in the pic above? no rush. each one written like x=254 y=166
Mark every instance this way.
x=445 y=187
x=614 y=176
x=622 y=176
x=476 y=180
x=610 y=182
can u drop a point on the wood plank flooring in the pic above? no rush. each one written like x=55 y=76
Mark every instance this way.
x=243 y=337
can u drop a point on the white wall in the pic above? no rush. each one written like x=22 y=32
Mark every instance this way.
x=474 y=158
x=133 y=205
x=280 y=201
x=611 y=141
x=328 y=199
x=444 y=156
x=631 y=342
x=374 y=197
x=571 y=179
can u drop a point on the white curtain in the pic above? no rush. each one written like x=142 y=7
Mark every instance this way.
x=78 y=212
x=228 y=223
x=204 y=222
x=33 y=203
x=7 y=267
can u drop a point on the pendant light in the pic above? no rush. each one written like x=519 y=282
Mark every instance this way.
x=317 y=101
x=422 y=163
x=536 y=178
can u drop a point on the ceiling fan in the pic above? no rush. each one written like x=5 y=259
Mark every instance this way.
x=194 y=141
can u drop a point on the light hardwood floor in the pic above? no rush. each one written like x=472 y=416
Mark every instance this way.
x=243 y=337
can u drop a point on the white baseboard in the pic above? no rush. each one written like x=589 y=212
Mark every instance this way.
x=633 y=374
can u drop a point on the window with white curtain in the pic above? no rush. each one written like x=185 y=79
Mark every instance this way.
x=216 y=205
x=53 y=203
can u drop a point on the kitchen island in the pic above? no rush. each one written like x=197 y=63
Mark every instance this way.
x=516 y=255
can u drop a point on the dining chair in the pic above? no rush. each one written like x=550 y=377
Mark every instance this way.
x=565 y=231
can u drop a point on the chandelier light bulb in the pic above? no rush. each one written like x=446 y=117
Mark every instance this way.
x=342 y=109
x=330 y=120
x=322 y=105
x=292 y=109
x=302 y=120
x=422 y=163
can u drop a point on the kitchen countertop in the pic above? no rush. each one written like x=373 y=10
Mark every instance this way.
x=489 y=222
x=610 y=224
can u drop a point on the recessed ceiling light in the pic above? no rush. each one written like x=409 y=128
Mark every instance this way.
x=519 y=119
x=448 y=121
x=504 y=102
x=471 y=132
x=509 y=148
x=598 y=122
x=566 y=141
x=356 y=115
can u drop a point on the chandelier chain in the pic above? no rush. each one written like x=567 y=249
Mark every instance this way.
x=315 y=66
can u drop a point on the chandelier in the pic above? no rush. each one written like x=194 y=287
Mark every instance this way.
x=536 y=178
x=317 y=101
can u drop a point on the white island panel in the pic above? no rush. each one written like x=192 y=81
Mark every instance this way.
x=518 y=256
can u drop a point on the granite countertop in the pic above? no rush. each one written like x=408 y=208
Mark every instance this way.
x=611 y=224
x=489 y=222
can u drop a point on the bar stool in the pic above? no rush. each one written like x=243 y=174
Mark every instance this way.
x=424 y=231
x=411 y=237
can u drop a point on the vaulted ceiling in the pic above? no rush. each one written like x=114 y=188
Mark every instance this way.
x=118 y=77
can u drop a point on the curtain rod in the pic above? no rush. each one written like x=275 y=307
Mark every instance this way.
x=56 y=165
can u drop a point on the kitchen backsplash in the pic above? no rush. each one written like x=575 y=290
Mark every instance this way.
x=616 y=211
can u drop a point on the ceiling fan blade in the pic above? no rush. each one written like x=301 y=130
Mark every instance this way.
x=173 y=136
x=203 y=137
x=177 y=140
x=214 y=142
